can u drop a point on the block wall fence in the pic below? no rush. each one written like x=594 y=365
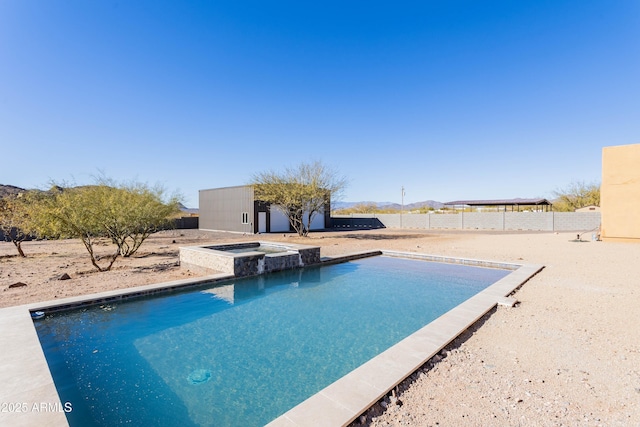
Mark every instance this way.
x=533 y=221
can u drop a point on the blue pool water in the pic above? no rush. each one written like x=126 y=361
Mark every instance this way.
x=246 y=351
x=262 y=248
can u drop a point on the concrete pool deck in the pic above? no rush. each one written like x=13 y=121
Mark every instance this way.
x=32 y=399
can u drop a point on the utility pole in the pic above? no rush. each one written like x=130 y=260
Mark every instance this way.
x=402 y=206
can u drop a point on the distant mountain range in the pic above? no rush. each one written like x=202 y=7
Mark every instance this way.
x=10 y=190
x=389 y=205
x=185 y=209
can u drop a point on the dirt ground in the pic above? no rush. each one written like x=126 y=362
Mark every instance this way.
x=567 y=355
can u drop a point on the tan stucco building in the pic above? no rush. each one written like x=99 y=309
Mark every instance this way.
x=620 y=193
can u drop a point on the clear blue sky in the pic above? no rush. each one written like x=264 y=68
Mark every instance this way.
x=450 y=99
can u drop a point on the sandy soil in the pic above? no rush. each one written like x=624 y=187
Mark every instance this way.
x=567 y=355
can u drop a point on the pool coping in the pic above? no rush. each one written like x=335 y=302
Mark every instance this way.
x=36 y=402
x=340 y=403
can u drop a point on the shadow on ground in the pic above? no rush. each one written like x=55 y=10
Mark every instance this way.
x=379 y=236
x=394 y=397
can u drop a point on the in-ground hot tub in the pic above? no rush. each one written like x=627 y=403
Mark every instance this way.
x=247 y=259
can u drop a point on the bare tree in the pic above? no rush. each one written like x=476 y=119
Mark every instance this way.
x=300 y=192
x=577 y=195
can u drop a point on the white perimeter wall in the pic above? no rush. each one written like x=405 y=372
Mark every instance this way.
x=540 y=221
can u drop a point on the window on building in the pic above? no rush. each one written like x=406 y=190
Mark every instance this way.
x=245 y=217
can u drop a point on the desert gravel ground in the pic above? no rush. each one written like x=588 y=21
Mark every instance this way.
x=567 y=355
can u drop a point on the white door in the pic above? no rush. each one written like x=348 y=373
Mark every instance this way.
x=262 y=222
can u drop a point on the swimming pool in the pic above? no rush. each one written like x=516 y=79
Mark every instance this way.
x=243 y=352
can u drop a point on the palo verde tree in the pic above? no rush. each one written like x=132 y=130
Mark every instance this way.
x=14 y=220
x=136 y=211
x=126 y=214
x=72 y=213
x=300 y=192
x=577 y=195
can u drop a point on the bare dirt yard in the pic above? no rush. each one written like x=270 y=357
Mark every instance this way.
x=567 y=355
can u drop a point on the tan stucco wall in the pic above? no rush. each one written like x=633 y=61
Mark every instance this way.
x=620 y=193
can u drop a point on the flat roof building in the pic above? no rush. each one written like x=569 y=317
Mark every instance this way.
x=236 y=209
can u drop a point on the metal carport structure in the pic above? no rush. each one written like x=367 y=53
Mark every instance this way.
x=542 y=205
